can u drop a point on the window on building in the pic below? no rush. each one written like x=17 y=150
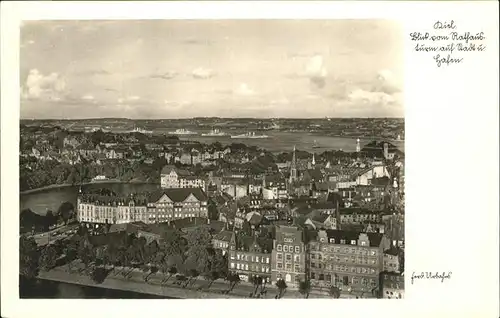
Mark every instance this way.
x=279 y=256
x=278 y=247
x=288 y=257
x=232 y=265
x=279 y=265
x=296 y=258
x=285 y=248
x=332 y=240
x=256 y=258
x=297 y=249
x=353 y=242
x=288 y=267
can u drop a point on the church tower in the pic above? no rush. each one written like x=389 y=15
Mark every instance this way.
x=293 y=167
x=314 y=160
x=358 y=146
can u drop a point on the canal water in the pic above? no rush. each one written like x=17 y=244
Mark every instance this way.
x=46 y=289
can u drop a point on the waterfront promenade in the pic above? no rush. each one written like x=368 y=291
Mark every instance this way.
x=135 y=283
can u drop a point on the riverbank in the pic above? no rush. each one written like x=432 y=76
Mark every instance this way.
x=132 y=285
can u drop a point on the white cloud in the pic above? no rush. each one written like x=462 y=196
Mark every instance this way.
x=88 y=97
x=386 y=82
x=202 y=73
x=316 y=71
x=315 y=67
x=244 y=90
x=39 y=86
x=122 y=100
x=367 y=97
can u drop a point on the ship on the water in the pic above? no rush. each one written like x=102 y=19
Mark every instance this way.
x=182 y=131
x=315 y=145
x=214 y=133
x=249 y=135
x=141 y=131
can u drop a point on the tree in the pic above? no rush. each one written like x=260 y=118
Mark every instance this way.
x=233 y=279
x=28 y=257
x=171 y=271
x=334 y=292
x=212 y=277
x=70 y=253
x=152 y=250
x=99 y=274
x=85 y=252
x=175 y=244
x=282 y=286
x=66 y=211
x=257 y=281
x=49 y=219
x=305 y=288
x=48 y=258
x=193 y=273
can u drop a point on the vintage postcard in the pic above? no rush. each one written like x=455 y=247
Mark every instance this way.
x=250 y=152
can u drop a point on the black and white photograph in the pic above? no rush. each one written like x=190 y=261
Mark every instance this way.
x=187 y=159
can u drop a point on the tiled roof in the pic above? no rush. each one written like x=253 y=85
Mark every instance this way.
x=179 y=194
x=246 y=242
x=168 y=168
x=223 y=236
x=348 y=236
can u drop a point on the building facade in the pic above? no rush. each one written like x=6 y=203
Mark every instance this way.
x=350 y=260
x=177 y=203
x=250 y=256
x=288 y=256
x=176 y=178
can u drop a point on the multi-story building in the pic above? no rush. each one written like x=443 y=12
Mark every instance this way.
x=221 y=240
x=288 y=256
x=349 y=260
x=171 y=177
x=359 y=216
x=391 y=260
x=250 y=256
x=177 y=203
x=392 y=286
x=110 y=209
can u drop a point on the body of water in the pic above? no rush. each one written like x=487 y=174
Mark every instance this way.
x=41 y=288
x=52 y=198
x=285 y=141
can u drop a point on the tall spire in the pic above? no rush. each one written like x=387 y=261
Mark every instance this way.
x=293 y=167
x=314 y=160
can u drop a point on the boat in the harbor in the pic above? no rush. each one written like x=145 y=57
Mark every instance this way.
x=182 y=131
x=214 y=133
x=141 y=131
x=315 y=145
x=249 y=135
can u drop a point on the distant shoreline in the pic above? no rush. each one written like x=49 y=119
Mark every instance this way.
x=67 y=185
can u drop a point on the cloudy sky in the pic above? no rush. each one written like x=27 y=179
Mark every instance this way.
x=175 y=69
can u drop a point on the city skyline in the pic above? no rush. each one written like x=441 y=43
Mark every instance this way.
x=235 y=69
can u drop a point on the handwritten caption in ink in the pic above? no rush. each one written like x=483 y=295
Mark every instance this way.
x=447 y=44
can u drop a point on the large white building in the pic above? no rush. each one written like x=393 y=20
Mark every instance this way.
x=162 y=206
x=171 y=177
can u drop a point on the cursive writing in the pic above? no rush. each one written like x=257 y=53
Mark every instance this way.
x=446 y=42
x=430 y=275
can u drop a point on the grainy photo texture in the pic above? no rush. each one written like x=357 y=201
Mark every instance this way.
x=212 y=159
